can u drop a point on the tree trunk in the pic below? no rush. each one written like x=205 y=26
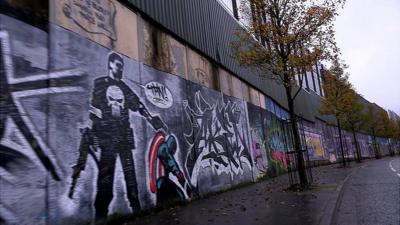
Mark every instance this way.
x=358 y=151
x=296 y=136
x=377 y=154
x=341 y=142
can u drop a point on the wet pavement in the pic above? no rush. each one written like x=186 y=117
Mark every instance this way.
x=372 y=195
x=266 y=202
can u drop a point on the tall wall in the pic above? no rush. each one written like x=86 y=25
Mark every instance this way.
x=78 y=144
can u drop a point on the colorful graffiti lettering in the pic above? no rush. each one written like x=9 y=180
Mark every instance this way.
x=276 y=147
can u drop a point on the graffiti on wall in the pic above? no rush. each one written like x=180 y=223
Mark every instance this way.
x=11 y=90
x=167 y=179
x=79 y=105
x=104 y=146
x=112 y=135
x=97 y=17
x=270 y=140
x=258 y=151
x=158 y=94
x=276 y=146
x=314 y=145
x=327 y=140
x=26 y=156
x=349 y=147
x=362 y=143
x=217 y=141
x=102 y=21
x=257 y=141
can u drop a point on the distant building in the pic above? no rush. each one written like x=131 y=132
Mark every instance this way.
x=393 y=115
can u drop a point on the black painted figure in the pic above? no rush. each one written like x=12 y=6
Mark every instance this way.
x=109 y=112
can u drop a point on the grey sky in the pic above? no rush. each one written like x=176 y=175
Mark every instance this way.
x=368 y=33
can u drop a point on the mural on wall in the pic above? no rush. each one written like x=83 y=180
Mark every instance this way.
x=102 y=21
x=270 y=141
x=349 y=147
x=383 y=145
x=10 y=89
x=259 y=152
x=112 y=135
x=364 y=145
x=275 y=138
x=88 y=132
x=314 y=145
x=162 y=164
x=327 y=140
x=135 y=158
x=257 y=141
x=96 y=17
x=217 y=140
x=167 y=179
x=158 y=95
x=29 y=166
x=47 y=120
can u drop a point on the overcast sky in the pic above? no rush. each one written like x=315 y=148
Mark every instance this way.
x=368 y=33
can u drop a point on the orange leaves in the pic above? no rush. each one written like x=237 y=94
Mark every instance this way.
x=290 y=35
x=338 y=91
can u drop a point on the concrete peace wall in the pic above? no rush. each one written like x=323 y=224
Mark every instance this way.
x=88 y=129
x=163 y=138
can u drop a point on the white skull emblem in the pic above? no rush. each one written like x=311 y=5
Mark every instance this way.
x=116 y=100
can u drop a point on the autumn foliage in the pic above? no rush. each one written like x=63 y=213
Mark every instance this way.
x=284 y=38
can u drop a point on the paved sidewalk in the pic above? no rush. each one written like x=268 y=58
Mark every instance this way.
x=266 y=202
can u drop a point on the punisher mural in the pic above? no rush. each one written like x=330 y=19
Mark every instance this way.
x=112 y=135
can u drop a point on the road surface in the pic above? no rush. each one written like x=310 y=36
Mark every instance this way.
x=371 y=195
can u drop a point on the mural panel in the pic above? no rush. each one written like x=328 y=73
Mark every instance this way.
x=349 y=144
x=365 y=146
x=27 y=163
x=236 y=126
x=327 y=140
x=126 y=153
x=275 y=144
x=219 y=154
x=314 y=145
x=165 y=150
x=257 y=141
x=102 y=21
